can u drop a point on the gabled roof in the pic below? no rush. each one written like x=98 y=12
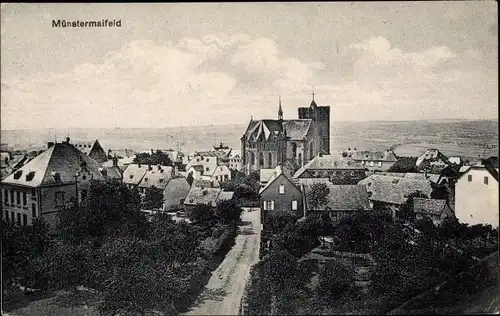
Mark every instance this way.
x=62 y=159
x=341 y=197
x=431 y=155
x=428 y=206
x=203 y=195
x=493 y=171
x=394 y=190
x=277 y=172
x=329 y=162
x=295 y=129
x=112 y=172
x=86 y=147
x=134 y=173
x=158 y=177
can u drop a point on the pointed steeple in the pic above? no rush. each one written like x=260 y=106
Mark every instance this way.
x=313 y=103
x=280 y=111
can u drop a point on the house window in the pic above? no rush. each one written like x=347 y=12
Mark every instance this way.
x=6 y=216
x=371 y=164
x=485 y=180
x=380 y=163
x=6 y=197
x=226 y=177
x=25 y=199
x=33 y=210
x=59 y=199
x=33 y=192
x=11 y=197
x=208 y=160
x=18 y=219
x=18 y=200
x=268 y=205
x=84 y=194
x=282 y=189
x=294 y=205
x=12 y=218
x=206 y=169
x=25 y=219
x=469 y=178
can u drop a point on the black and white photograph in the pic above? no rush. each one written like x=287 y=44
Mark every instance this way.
x=249 y=158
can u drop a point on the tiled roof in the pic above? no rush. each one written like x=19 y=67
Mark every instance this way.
x=493 y=171
x=134 y=173
x=203 y=195
x=278 y=171
x=394 y=189
x=374 y=155
x=329 y=162
x=428 y=206
x=158 y=176
x=342 y=197
x=61 y=158
x=269 y=129
x=113 y=172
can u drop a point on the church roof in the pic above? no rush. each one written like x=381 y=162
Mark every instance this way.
x=269 y=129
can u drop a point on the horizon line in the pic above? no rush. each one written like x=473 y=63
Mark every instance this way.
x=213 y=125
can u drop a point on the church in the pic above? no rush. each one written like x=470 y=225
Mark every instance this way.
x=267 y=143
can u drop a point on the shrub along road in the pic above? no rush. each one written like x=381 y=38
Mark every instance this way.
x=222 y=295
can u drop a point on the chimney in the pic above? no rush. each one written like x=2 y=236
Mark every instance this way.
x=67 y=140
x=139 y=165
x=159 y=166
x=50 y=144
x=152 y=152
x=149 y=168
x=115 y=161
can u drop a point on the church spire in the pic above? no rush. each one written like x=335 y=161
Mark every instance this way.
x=313 y=103
x=280 y=110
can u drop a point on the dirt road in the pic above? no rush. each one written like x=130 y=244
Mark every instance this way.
x=223 y=293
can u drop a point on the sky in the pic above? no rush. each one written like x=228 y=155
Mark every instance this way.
x=223 y=63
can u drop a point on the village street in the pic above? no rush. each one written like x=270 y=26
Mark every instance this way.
x=223 y=293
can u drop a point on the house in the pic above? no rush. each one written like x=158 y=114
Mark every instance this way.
x=175 y=193
x=434 y=209
x=373 y=160
x=93 y=150
x=156 y=176
x=432 y=161
x=200 y=195
x=342 y=200
x=220 y=174
x=234 y=162
x=340 y=170
x=476 y=196
x=174 y=155
x=268 y=143
x=133 y=174
x=281 y=195
x=390 y=193
x=208 y=162
x=47 y=184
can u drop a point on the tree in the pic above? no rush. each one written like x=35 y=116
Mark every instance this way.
x=199 y=212
x=407 y=210
x=111 y=209
x=404 y=165
x=318 y=195
x=335 y=279
x=153 y=199
x=228 y=211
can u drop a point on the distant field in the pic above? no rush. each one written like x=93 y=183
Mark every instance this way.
x=462 y=138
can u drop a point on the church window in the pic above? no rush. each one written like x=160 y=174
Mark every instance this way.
x=294 y=150
x=253 y=158
x=261 y=159
x=270 y=159
x=311 y=150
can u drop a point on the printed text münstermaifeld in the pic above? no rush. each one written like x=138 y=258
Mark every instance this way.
x=78 y=23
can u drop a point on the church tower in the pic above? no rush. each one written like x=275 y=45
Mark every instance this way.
x=321 y=117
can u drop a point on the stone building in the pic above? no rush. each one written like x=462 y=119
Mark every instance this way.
x=267 y=143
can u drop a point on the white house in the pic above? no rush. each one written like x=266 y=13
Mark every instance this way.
x=476 y=196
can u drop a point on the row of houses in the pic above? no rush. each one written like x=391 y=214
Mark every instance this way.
x=471 y=195
x=47 y=183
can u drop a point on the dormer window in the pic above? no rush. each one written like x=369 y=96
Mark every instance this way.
x=30 y=176
x=145 y=179
x=18 y=174
x=131 y=176
x=161 y=180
